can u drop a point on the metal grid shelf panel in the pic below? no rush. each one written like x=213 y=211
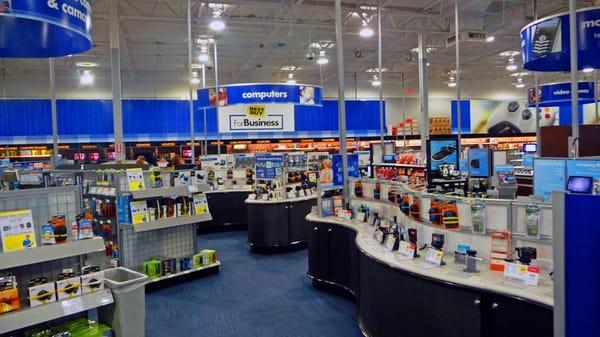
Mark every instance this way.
x=172 y=242
x=171 y=222
x=31 y=316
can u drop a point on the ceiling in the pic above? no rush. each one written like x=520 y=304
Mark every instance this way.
x=262 y=36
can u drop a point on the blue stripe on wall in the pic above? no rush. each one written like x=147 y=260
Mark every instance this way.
x=29 y=121
x=465 y=114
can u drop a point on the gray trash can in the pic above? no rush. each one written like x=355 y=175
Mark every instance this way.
x=127 y=314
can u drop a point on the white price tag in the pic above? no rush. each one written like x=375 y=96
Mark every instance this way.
x=378 y=236
x=72 y=306
x=390 y=242
x=434 y=256
x=527 y=275
x=407 y=249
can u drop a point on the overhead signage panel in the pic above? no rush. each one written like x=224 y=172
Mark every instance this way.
x=297 y=94
x=45 y=28
x=257 y=118
x=545 y=43
x=560 y=94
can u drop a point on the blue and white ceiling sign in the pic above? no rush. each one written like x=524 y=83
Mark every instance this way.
x=298 y=94
x=45 y=28
x=545 y=43
x=557 y=94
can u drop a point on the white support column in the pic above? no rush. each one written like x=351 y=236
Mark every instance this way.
x=380 y=74
x=216 y=60
x=191 y=100
x=574 y=140
x=53 y=113
x=457 y=50
x=115 y=60
x=423 y=93
x=339 y=35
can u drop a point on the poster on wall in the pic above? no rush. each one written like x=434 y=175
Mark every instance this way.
x=326 y=170
x=549 y=175
x=590 y=116
x=257 y=118
x=17 y=230
x=269 y=166
x=585 y=168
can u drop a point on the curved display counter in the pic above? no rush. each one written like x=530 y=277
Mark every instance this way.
x=398 y=297
x=278 y=225
x=228 y=209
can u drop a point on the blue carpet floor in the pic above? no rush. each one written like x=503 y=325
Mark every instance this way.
x=253 y=295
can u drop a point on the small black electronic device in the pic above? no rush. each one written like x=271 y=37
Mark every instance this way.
x=582 y=185
x=412 y=238
x=437 y=241
x=526 y=254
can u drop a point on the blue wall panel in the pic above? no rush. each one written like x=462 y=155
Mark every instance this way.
x=29 y=121
x=25 y=118
x=84 y=117
x=465 y=116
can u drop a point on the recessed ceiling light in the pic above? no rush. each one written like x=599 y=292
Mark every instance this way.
x=521 y=74
x=322 y=44
x=511 y=67
x=203 y=57
x=490 y=39
x=195 y=81
x=217 y=24
x=588 y=70
x=452 y=84
x=520 y=85
x=86 y=64
x=290 y=81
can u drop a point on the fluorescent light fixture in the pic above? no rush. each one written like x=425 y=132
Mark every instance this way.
x=519 y=80
x=452 y=84
x=86 y=64
x=588 y=70
x=490 y=39
x=289 y=68
x=376 y=70
x=322 y=59
x=366 y=31
x=217 y=24
x=520 y=85
x=511 y=67
x=86 y=78
x=195 y=80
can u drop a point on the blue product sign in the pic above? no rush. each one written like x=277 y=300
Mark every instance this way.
x=549 y=175
x=353 y=166
x=560 y=94
x=479 y=162
x=545 y=43
x=260 y=93
x=585 y=168
x=338 y=176
x=45 y=28
x=528 y=161
x=443 y=152
x=269 y=166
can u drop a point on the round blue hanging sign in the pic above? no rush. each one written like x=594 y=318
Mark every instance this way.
x=545 y=43
x=45 y=28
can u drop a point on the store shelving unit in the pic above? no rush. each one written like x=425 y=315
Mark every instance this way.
x=51 y=252
x=47 y=261
x=170 y=222
x=187 y=272
x=32 y=316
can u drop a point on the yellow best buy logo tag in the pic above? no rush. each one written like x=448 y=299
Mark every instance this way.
x=256 y=111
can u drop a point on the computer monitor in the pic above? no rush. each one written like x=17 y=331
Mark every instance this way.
x=578 y=184
x=529 y=148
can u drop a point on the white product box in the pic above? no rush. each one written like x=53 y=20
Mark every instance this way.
x=68 y=288
x=42 y=294
x=92 y=282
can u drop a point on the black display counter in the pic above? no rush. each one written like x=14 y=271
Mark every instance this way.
x=275 y=226
x=228 y=210
x=398 y=299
